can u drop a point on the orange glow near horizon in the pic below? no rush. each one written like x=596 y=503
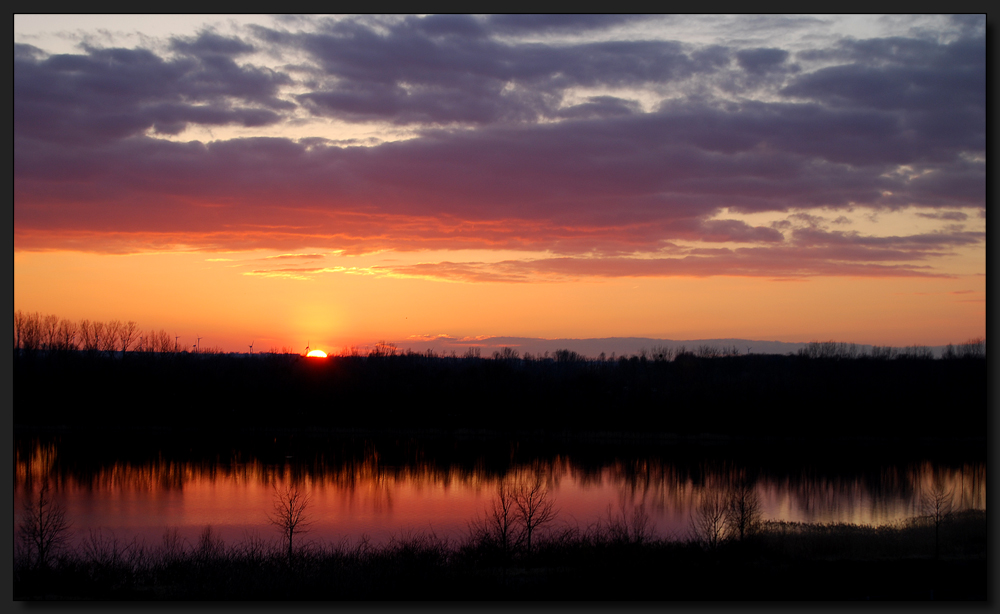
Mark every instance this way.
x=316 y=354
x=194 y=294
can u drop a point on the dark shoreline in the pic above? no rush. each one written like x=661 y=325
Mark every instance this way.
x=727 y=398
x=784 y=561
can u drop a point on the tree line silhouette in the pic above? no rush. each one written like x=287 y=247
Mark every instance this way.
x=826 y=389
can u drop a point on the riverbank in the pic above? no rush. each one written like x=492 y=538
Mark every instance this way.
x=728 y=396
x=783 y=561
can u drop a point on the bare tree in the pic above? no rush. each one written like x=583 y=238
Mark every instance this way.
x=43 y=527
x=289 y=514
x=50 y=331
x=708 y=523
x=662 y=353
x=534 y=507
x=99 y=335
x=164 y=344
x=709 y=351
x=501 y=518
x=67 y=335
x=973 y=348
x=937 y=504
x=506 y=354
x=126 y=335
x=109 y=340
x=19 y=319
x=28 y=331
x=744 y=514
x=87 y=341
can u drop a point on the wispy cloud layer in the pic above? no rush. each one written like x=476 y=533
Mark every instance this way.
x=607 y=154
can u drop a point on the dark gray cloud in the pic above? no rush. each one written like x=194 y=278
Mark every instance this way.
x=547 y=24
x=957 y=216
x=761 y=60
x=920 y=242
x=914 y=76
x=114 y=93
x=209 y=44
x=445 y=70
x=600 y=106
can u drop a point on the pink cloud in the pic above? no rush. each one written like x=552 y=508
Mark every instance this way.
x=735 y=263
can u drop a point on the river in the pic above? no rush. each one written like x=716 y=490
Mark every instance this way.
x=380 y=486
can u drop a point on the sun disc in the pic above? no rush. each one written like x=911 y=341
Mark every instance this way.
x=316 y=354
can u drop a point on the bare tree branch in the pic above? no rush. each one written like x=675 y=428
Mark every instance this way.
x=708 y=523
x=289 y=514
x=43 y=527
x=534 y=507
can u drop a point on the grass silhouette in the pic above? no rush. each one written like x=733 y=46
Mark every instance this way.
x=782 y=561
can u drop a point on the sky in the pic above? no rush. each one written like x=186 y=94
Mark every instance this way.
x=338 y=180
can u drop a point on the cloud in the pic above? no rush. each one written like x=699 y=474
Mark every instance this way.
x=602 y=185
x=924 y=241
x=938 y=91
x=600 y=106
x=209 y=44
x=519 y=24
x=738 y=231
x=738 y=263
x=601 y=153
x=297 y=257
x=761 y=60
x=109 y=94
x=441 y=70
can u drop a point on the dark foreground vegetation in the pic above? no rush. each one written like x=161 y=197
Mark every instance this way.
x=615 y=559
x=828 y=389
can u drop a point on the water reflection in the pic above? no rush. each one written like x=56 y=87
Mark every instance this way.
x=380 y=488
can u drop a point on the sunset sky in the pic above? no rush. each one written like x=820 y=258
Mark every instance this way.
x=340 y=180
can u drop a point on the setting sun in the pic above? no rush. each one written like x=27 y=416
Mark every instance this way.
x=316 y=354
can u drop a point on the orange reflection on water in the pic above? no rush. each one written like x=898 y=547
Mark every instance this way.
x=369 y=496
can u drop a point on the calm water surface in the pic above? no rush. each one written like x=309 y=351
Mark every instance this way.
x=387 y=487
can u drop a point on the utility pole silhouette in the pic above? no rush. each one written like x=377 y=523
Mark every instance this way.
x=198 y=345
x=176 y=337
